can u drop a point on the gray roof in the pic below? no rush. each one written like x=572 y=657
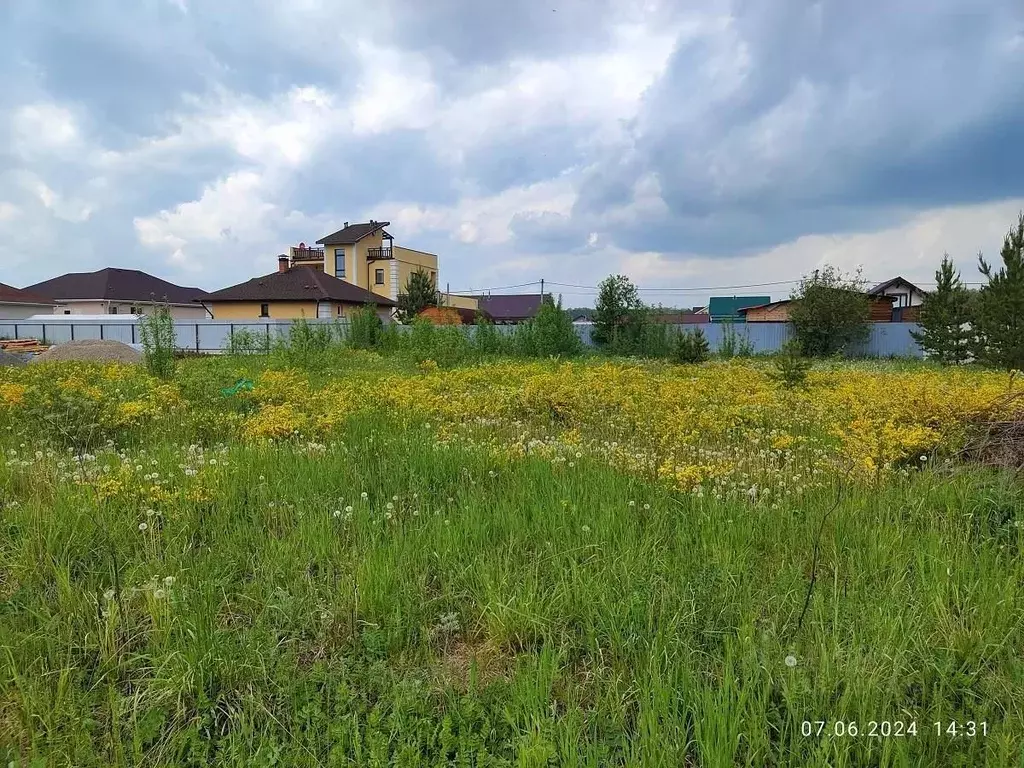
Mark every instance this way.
x=352 y=233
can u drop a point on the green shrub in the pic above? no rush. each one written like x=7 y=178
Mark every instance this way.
x=553 y=332
x=365 y=328
x=487 y=340
x=243 y=341
x=791 y=366
x=691 y=347
x=156 y=329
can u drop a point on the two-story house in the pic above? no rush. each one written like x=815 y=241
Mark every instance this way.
x=365 y=255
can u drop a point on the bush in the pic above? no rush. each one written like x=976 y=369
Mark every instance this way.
x=156 y=329
x=691 y=347
x=365 y=328
x=553 y=332
x=305 y=345
x=487 y=340
x=830 y=312
x=791 y=366
x=242 y=341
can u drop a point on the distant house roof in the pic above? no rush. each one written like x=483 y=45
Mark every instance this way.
x=781 y=302
x=882 y=287
x=729 y=306
x=11 y=295
x=511 y=306
x=766 y=305
x=353 y=233
x=114 y=284
x=298 y=284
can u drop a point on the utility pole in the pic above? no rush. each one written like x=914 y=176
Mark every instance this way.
x=542 y=289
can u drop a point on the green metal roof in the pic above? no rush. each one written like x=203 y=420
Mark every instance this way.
x=728 y=307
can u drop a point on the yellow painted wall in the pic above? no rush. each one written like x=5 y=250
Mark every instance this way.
x=282 y=310
x=250 y=310
x=461 y=302
x=409 y=261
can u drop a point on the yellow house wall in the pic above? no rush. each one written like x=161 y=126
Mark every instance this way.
x=250 y=310
x=460 y=302
x=282 y=310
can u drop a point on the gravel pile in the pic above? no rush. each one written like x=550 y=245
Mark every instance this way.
x=6 y=358
x=90 y=350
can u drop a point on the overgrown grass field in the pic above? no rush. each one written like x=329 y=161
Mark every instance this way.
x=530 y=564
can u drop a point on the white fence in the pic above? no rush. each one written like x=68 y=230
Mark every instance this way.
x=213 y=336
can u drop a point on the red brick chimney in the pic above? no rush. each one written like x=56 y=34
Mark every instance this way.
x=282 y=263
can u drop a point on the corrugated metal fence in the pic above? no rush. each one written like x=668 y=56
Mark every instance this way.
x=886 y=340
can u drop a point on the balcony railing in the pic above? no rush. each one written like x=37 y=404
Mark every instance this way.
x=308 y=254
x=377 y=254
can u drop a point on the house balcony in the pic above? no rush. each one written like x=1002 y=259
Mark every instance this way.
x=307 y=254
x=378 y=254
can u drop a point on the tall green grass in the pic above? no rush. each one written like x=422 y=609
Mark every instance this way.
x=500 y=613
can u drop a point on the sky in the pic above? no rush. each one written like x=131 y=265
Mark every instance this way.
x=712 y=147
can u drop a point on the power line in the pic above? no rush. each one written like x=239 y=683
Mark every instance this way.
x=500 y=288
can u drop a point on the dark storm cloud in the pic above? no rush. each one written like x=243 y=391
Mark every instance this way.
x=840 y=113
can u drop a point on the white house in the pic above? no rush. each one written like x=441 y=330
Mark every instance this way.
x=907 y=294
x=16 y=304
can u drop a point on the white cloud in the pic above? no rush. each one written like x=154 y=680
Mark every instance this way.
x=230 y=215
x=484 y=221
x=44 y=127
x=8 y=211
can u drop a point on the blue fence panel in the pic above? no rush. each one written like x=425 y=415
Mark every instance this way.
x=885 y=339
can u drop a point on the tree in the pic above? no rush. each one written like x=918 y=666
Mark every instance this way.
x=830 y=312
x=1000 y=316
x=420 y=293
x=553 y=331
x=691 y=347
x=945 y=320
x=618 y=306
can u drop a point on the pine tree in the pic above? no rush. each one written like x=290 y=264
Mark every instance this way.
x=1001 y=304
x=945 y=321
x=420 y=293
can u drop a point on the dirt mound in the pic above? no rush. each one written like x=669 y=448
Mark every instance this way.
x=90 y=350
x=6 y=358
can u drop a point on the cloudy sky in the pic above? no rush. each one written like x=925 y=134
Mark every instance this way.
x=688 y=145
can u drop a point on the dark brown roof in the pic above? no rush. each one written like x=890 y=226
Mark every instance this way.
x=780 y=302
x=117 y=285
x=352 y=233
x=12 y=295
x=299 y=284
x=882 y=286
x=511 y=306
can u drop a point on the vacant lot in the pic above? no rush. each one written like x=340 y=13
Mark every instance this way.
x=507 y=564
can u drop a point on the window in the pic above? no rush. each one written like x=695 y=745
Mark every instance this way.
x=339 y=262
x=67 y=311
x=341 y=310
x=135 y=310
x=113 y=310
x=378 y=277
x=264 y=310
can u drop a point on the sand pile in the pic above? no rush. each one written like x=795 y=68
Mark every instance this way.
x=90 y=350
x=6 y=358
